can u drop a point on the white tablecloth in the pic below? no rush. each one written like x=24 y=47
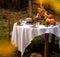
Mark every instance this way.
x=22 y=35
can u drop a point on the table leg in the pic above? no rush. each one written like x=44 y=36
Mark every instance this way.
x=46 y=45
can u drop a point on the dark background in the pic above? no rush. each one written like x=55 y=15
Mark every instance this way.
x=14 y=4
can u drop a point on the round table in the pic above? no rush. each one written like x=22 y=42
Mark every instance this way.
x=22 y=35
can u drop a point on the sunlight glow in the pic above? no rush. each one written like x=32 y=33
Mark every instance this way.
x=55 y=4
x=7 y=50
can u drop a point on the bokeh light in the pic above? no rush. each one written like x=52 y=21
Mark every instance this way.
x=55 y=4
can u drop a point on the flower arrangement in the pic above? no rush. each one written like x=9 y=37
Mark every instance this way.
x=42 y=17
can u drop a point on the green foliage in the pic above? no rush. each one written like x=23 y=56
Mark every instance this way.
x=36 y=45
x=47 y=22
x=36 y=41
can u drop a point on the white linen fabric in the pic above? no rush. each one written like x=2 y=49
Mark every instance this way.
x=23 y=35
